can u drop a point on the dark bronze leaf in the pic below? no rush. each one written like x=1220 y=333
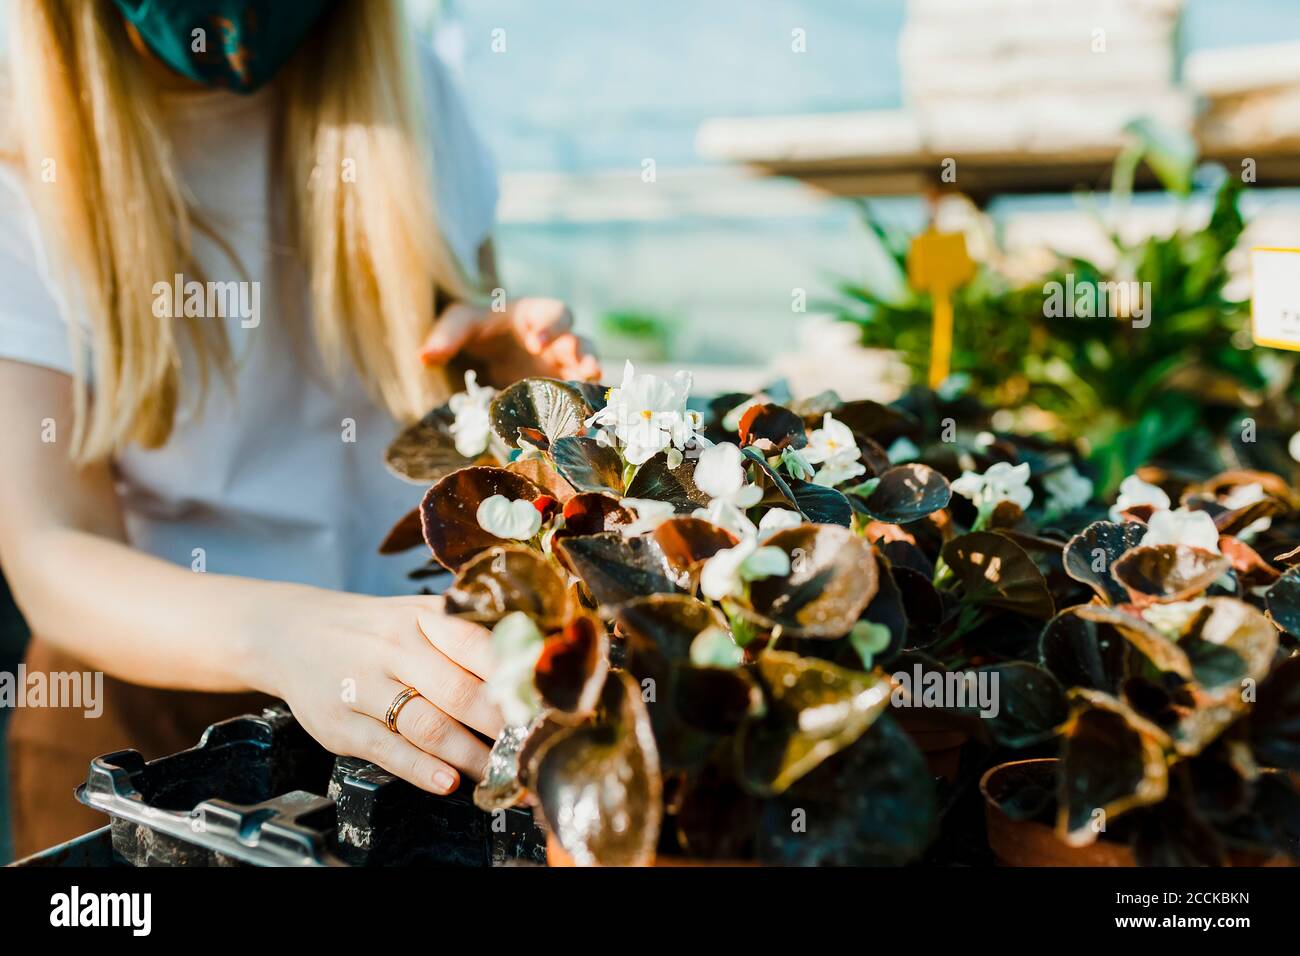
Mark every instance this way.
x=593 y=513
x=1275 y=720
x=1232 y=627
x=1093 y=551
x=1031 y=704
x=656 y=480
x=1283 y=602
x=1085 y=653
x=907 y=493
x=426 y=451
x=659 y=630
x=772 y=428
x=505 y=579
x=616 y=569
x=554 y=408
x=1238 y=519
x=814 y=709
x=871 y=804
x=923 y=605
x=832 y=579
x=1112 y=761
x=1162 y=574
x=543 y=474
x=449 y=511
x=714 y=700
x=599 y=783
x=588 y=465
x=1251 y=569
x=821 y=505
x=406 y=534
x=997 y=572
x=571 y=671
x=880 y=423
x=1163 y=653
x=686 y=542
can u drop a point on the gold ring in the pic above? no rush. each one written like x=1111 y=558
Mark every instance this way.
x=405 y=695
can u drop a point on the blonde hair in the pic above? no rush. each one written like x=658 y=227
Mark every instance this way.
x=120 y=220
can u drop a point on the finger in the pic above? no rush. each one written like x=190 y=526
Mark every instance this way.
x=454 y=328
x=587 y=366
x=441 y=735
x=452 y=689
x=587 y=370
x=564 y=351
x=466 y=643
x=399 y=756
x=540 y=322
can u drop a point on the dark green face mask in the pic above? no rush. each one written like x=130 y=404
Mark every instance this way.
x=235 y=44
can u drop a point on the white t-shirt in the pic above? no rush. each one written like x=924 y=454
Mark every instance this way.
x=261 y=480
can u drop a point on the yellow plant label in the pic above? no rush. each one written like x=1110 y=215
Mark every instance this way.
x=937 y=263
x=1275 y=297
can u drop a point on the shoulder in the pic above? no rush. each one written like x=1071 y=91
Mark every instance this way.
x=464 y=173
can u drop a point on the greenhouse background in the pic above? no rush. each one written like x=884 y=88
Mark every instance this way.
x=583 y=95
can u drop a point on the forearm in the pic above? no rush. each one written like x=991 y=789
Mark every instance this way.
x=144 y=620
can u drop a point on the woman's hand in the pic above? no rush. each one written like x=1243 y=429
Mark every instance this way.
x=531 y=337
x=340 y=666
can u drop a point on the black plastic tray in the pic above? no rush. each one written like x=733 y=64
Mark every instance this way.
x=258 y=790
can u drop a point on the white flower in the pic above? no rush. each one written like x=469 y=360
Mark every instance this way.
x=1002 y=482
x=472 y=428
x=725 y=574
x=1067 y=490
x=649 y=512
x=504 y=518
x=646 y=414
x=516 y=646
x=1183 y=526
x=778 y=518
x=1171 y=620
x=720 y=474
x=1243 y=496
x=713 y=647
x=834 y=448
x=1133 y=493
x=726 y=515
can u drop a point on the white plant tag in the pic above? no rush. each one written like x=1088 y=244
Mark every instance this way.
x=1275 y=300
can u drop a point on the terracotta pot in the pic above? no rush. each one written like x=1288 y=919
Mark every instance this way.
x=556 y=855
x=1028 y=843
x=936 y=738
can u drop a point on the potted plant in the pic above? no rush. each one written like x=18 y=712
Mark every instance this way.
x=1184 y=728
x=708 y=620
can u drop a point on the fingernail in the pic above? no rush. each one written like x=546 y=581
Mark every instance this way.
x=444 y=782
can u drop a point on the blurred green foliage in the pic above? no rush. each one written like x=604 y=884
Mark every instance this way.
x=1131 y=392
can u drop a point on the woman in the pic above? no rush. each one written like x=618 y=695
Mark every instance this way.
x=237 y=241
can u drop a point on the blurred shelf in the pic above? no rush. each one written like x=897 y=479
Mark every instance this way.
x=874 y=154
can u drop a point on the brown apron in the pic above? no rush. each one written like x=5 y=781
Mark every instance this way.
x=50 y=748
